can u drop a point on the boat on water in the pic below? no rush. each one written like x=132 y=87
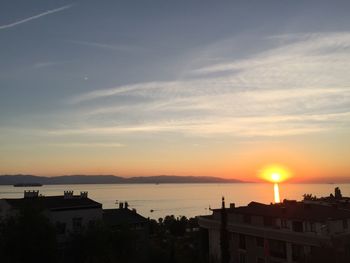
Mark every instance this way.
x=27 y=185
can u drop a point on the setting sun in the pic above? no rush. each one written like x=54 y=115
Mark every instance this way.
x=276 y=177
x=275 y=173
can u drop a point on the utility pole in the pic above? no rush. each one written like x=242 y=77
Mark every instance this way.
x=224 y=244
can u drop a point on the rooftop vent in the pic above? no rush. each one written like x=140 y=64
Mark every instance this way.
x=83 y=194
x=68 y=194
x=31 y=194
x=232 y=205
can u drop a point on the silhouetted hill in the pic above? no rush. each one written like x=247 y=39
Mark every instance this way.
x=168 y=179
x=109 y=179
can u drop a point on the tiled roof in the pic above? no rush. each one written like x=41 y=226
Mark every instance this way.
x=122 y=216
x=54 y=203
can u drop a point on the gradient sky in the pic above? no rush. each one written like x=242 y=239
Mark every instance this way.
x=214 y=88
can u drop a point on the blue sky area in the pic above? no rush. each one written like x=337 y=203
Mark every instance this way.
x=150 y=87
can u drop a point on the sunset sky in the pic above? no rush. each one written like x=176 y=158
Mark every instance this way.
x=207 y=88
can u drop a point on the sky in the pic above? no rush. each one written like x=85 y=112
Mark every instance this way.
x=202 y=88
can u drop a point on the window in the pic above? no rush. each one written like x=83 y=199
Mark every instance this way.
x=297 y=226
x=284 y=223
x=310 y=227
x=77 y=223
x=247 y=219
x=232 y=237
x=278 y=248
x=297 y=252
x=242 y=258
x=268 y=221
x=259 y=242
x=345 y=223
x=313 y=227
x=242 y=244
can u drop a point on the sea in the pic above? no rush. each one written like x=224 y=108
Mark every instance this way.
x=158 y=200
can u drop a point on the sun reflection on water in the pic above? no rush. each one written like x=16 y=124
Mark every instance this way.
x=275 y=174
x=276 y=193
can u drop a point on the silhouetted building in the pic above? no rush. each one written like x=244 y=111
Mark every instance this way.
x=124 y=217
x=67 y=212
x=285 y=232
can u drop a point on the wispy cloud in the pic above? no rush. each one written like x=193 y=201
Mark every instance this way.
x=258 y=126
x=87 y=145
x=22 y=21
x=47 y=64
x=115 y=47
x=298 y=86
x=118 y=90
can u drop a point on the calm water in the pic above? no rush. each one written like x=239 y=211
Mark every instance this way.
x=180 y=199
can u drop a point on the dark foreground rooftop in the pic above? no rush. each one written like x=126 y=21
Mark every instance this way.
x=122 y=216
x=54 y=203
x=293 y=210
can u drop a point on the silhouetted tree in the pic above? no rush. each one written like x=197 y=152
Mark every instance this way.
x=309 y=197
x=28 y=237
x=102 y=244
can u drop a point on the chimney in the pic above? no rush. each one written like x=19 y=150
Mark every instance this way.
x=232 y=205
x=121 y=205
x=126 y=205
x=83 y=194
x=223 y=202
x=31 y=194
x=337 y=193
x=68 y=194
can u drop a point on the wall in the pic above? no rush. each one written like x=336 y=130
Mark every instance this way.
x=67 y=216
x=214 y=245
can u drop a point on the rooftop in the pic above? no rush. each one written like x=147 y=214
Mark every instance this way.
x=54 y=203
x=122 y=216
x=292 y=210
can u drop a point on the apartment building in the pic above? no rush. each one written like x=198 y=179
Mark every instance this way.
x=68 y=212
x=290 y=231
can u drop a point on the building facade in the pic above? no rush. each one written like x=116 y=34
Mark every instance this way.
x=278 y=233
x=69 y=212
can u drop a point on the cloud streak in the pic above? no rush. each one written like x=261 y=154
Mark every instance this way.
x=88 y=145
x=298 y=87
x=52 y=11
x=119 y=47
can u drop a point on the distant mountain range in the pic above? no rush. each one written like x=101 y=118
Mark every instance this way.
x=110 y=179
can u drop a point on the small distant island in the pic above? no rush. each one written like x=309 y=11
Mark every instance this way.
x=32 y=180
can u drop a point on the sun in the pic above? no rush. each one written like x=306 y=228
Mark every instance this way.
x=275 y=173
x=276 y=177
